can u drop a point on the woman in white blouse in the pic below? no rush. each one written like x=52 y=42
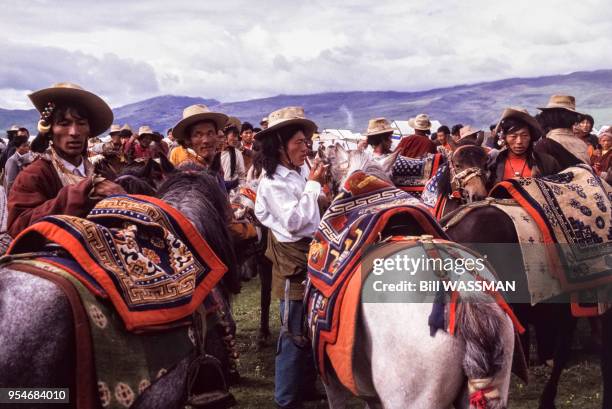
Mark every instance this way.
x=287 y=204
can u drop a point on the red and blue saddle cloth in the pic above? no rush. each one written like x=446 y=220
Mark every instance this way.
x=355 y=220
x=435 y=195
x=411 y=175
x=137 y=251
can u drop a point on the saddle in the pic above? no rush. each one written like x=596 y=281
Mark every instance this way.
x=138 y=272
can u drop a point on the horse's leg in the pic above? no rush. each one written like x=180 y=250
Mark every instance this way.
x=566 y=327
x=606 y=359
x=264 y=266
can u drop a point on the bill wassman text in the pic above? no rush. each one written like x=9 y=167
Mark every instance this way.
x=436 y=285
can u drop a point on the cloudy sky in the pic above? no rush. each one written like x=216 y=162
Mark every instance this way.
x=237 y=49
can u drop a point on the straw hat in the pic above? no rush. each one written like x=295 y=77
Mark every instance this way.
x=420 y=122
x=264 y=120
x=522 y=115
x=467 y=131
x=115 y=128
x=126 y=130
x=566 y=102
x=194 y=114
x=100 y=114
x=13 y=129
x=233 y=121
x=378 y=126
x=285 y=117
x=146 y=130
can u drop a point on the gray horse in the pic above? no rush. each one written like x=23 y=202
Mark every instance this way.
x=396 y=358
x=37 y=345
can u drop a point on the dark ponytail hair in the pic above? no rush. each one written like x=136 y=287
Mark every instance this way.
x=271 y=146
x=555 y=118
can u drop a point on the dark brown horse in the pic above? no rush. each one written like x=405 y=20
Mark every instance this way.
x=461 y=180
x=476 y=229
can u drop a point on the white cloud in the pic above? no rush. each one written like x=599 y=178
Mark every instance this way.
x=235 y=49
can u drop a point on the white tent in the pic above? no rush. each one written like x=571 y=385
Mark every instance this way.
x=343 y=136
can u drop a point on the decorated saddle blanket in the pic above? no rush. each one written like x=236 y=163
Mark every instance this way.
x=573 y=211
x=137 y=252
x=356 y=218
x=435 y=191
x=113 y=367
x=411 y=175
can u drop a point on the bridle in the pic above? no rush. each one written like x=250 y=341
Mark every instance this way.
x=458 y=181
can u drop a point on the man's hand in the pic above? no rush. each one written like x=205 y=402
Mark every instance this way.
x=318 y=173
x=107 y=188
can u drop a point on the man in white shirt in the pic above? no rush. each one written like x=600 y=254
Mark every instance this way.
x=232 y=162
x=287 y=204
x=378 y=137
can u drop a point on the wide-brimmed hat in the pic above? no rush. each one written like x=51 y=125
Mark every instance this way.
x=115 y=128
x=233 y=121
x=13 y=129
x=522 y=115
x=66 y=93
x=420 y=122
x=147 y=130
x=284 y=117
x=126 y=130
x=264 y=120
x=467 y=131
x=566 y=102
x=378 y=126
x=194 y=114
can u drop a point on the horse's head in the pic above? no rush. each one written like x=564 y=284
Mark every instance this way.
x=150 y=170
x=344 y=162
x=468 y=171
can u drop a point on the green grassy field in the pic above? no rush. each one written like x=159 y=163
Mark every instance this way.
x=580 y=384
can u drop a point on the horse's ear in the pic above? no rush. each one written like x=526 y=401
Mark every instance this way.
x=387 y=163
x=166 y=165
x=479 y=138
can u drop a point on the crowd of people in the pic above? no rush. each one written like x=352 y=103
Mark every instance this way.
x=66 y=169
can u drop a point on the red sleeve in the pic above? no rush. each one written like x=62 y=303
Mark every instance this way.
x=36 y=193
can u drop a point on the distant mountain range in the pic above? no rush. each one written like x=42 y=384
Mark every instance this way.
x=476 y=104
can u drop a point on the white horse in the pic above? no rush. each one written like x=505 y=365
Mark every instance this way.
x=398 y=360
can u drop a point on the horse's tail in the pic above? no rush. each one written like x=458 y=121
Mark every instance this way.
x=481 y=323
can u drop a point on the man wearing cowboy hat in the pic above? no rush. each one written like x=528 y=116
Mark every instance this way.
x=557 y=119
x=61 y=181
x=520 y=131
x=145 y=145
x=287 y=203
x=378 y=136
x=419 y=144
x=264 y=122
x=197 y=136
x=113 y=153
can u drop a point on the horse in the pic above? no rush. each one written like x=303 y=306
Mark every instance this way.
x=474 y=227
x=462 y=179
x=38 y=337
x=395 y=353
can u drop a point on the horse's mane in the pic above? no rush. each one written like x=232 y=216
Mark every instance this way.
x=199 y=197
